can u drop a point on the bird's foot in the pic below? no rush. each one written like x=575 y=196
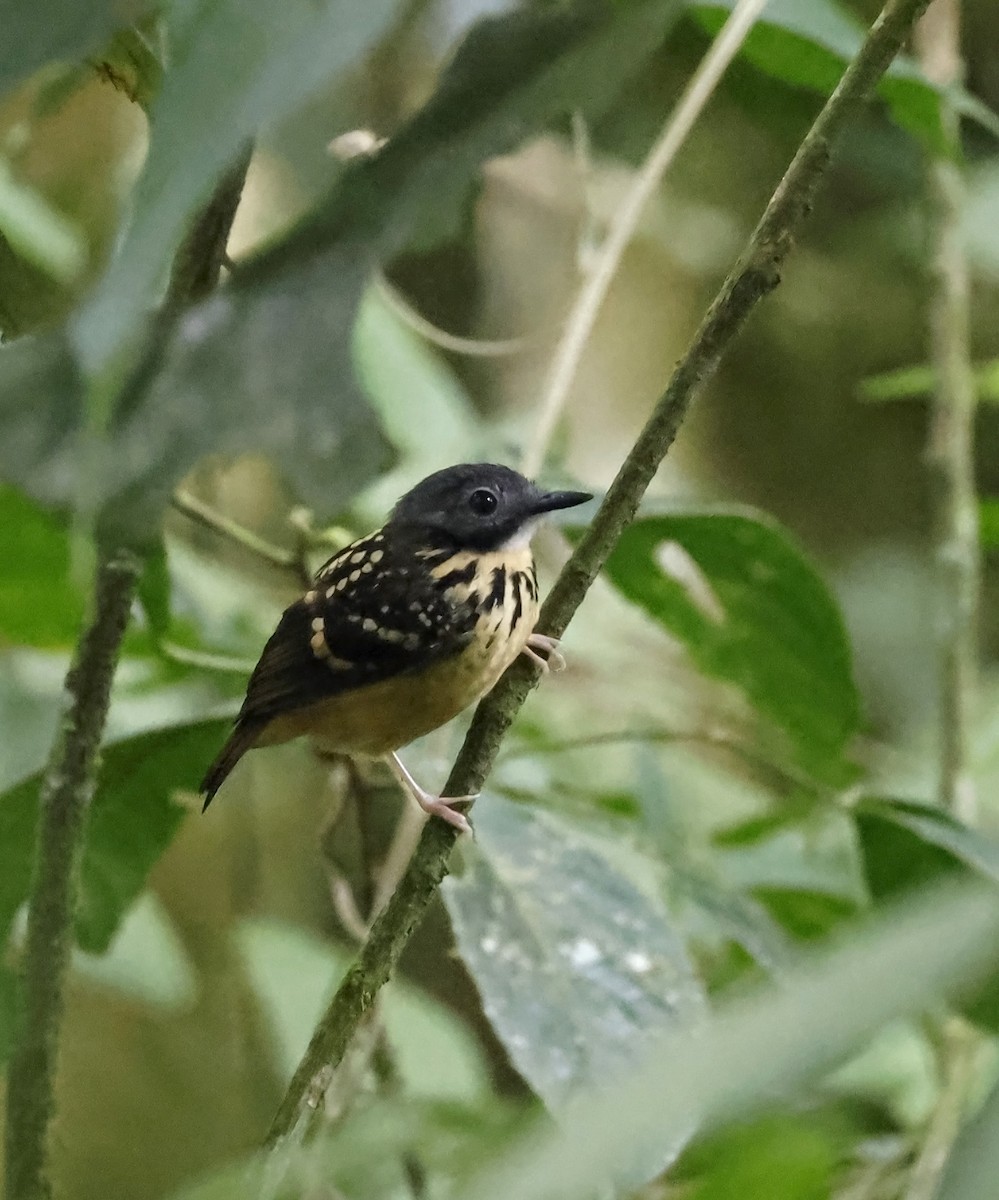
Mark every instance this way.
x=550 y=657
x=434 y=806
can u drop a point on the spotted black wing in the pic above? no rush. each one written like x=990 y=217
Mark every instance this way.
x=373 y=612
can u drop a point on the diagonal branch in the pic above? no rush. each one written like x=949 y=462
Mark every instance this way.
x=755 y=274
x=69 y=779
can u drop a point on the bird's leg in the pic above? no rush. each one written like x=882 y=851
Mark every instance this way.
x=436 y=806
x=551 y=657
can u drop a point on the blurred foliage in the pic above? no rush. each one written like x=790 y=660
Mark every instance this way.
x=736 y=772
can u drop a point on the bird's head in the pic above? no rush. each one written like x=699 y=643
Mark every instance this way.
x=478 y=506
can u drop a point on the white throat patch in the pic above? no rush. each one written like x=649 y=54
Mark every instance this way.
x=522 y=538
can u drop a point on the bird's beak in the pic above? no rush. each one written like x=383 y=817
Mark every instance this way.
x=550 y=501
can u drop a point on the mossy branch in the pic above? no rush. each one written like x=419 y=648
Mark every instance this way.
x=63 y=803
x=755 y=275
x=69 y=779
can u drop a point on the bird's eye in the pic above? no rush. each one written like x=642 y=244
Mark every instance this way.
x=482 y=501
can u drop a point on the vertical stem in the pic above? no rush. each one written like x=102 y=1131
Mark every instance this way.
x=951 y=441
x=951 y=458
x=63 y=803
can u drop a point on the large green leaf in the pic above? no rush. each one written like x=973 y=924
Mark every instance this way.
x=750 y=610
x=808 y=43
x=132 y=819
x=222 y=395
x=762 y=1046
x=236 y=66
x=576 y=968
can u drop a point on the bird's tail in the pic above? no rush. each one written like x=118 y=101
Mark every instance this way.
x=240 y=740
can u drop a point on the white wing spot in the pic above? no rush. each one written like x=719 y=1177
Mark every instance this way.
x=377 y=555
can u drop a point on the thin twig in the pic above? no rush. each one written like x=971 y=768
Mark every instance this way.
x=451 y=342
x=754 y=276
x=951 y=450
x=69 y=779
x=958 y=1058
x=210 y=518
x=714 y=739
x=622 y=228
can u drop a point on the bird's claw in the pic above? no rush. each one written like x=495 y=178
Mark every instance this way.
x=434 y=806
x=441 y=806
x=550 y=657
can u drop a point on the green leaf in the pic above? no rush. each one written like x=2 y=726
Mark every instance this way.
x=750 y=610
x=154 y=591
x=919 y=381
x=40 y=605
x=903 y=384
x=806 y=915
x=576 y=968
x=133 y=818
x=9 y=1011
x=906 y=845
x=37 y=232
x=780 y=1157
x=236 y=67
x=59 y=30
x=988 y=522
x=808 y=43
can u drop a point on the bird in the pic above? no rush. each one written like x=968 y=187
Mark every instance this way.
x=404 y=628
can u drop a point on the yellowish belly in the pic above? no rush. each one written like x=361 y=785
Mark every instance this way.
x=393 y=712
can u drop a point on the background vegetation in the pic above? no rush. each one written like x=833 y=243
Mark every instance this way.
x=701 y=926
